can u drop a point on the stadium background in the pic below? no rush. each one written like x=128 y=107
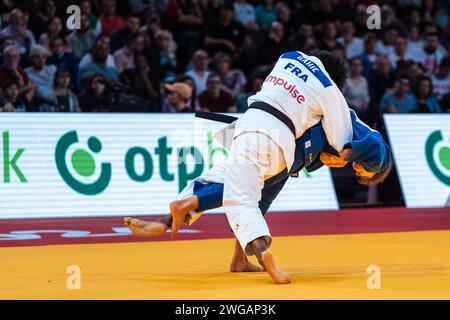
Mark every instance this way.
x=119 y=63
x=126 y=51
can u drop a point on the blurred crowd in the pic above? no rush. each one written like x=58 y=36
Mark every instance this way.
x=211 y=55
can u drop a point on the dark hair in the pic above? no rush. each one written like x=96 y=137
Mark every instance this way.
x=417 y=85
x=336 y=67
x=212 y=75
x=58 y=37
x=58 y=73
x=135 y=14
x=9 y=83
x=379 y=177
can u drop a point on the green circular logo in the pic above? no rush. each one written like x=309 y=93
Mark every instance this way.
x=444 y=157
x=83 y=163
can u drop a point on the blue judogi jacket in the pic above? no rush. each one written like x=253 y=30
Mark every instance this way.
x=368 y=148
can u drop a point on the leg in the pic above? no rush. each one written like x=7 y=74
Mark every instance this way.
x=240 y=263
x=179 y=209
x=259 y=248
x=252 y=157
x=141 y=228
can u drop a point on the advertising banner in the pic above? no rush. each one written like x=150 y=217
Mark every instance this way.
x=62 y=165
x=421 y=147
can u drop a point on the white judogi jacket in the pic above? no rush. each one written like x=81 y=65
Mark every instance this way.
x=300 y=87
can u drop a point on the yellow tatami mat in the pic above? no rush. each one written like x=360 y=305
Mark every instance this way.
x=412 y=264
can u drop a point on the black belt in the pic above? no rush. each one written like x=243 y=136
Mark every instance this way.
x=275 y=112
x=255 y=105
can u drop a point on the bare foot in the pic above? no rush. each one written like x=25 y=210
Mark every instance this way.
x=141 y=228
x=178 y=209
x=244 y=266
x=279 y=276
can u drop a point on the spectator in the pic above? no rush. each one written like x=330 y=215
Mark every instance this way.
x=41 y=22
x=328 y=37
x=178 y=98
x=274 y=45
x=94 y=23
x=193 y=102
x=165 y=61
x=17 y=29
x=153 y=25
x=357 y=90
x=389 y=19
x=124 y=57
x=244 y=13
x=188 y=18
x=353 y=45
x=63 y=59
x=426 y=101
x=55 y=29
x=99 y=64
x=10 y=100
x=6 y=6
x=369 y=55
x=227 y=36
x=441 y=80
x=88 y=56
x=95 y=98
x=119 y=37
x=233 y=79
x=432 y=53
x=400 y=100
x=6 y=41
x=39 y=73
x=265 y=14
x=109 y=20
x=303 y=39
x=214 y=98
x=400 y=53
x=82 y=40
x=10 y=71
x=60 y=98
x=253 y=86
x=140 y=80
x=199 y=73
x=284 y=16
x=415 y=42
x=383 y=78
x=385 y=46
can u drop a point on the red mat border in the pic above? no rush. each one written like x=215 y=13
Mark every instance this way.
x=349 y=221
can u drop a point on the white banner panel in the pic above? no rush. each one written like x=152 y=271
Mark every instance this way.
x=55 y=165
x=421 y=147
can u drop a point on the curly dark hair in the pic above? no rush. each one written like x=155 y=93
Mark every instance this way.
x=336 y=67
x=378 y=177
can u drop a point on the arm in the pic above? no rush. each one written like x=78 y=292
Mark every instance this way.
x=336 y=121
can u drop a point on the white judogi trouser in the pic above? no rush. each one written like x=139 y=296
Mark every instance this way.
x=253 y=157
